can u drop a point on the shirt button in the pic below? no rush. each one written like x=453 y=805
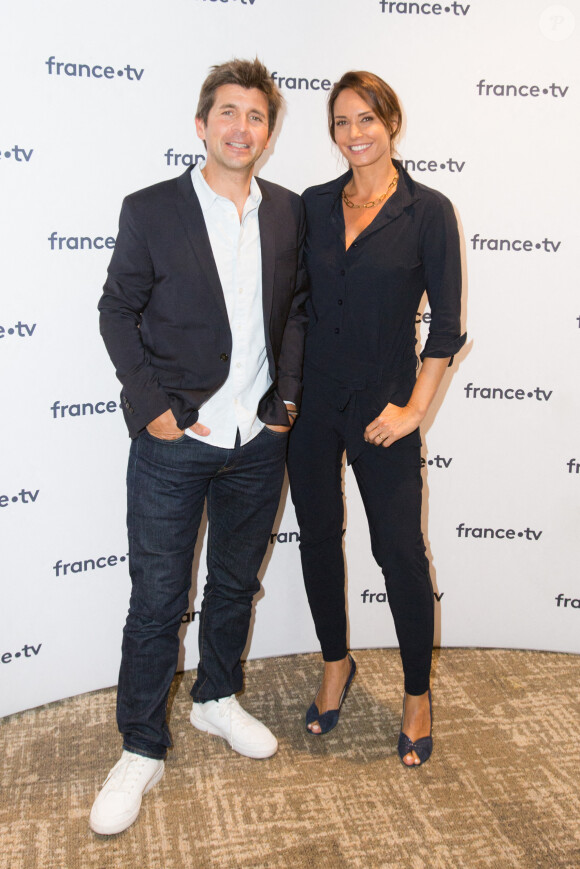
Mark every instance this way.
x=355 y=244
x=342 y=271
x=336 y=331
x=340 y=301
x=241 y=290
x=224 y=357
x=238 y=364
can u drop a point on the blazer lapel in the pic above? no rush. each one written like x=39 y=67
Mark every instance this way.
x=268 y=253
x=191 y=216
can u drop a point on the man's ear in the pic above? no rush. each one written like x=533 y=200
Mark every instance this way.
x=200 y=128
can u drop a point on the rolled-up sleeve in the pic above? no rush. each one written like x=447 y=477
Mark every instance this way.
x=440 y=252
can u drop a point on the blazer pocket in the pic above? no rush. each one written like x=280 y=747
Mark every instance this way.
x=285 y=269
x=291 y=252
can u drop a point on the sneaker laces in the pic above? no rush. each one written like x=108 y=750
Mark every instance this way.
x=125 y=774
x=229 y=707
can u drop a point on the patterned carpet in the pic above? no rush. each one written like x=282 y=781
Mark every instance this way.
x=501 y=790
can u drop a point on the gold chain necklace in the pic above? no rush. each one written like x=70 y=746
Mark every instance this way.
x=373 y=202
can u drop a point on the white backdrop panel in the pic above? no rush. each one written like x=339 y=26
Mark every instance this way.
x=99 y=100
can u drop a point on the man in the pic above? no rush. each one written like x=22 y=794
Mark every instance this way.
x=203 y=317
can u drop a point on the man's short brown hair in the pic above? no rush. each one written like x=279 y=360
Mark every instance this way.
x=247 y=74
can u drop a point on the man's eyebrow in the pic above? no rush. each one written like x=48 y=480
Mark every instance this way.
x=234 y=106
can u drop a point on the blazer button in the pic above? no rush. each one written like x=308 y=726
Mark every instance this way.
x=224 y=357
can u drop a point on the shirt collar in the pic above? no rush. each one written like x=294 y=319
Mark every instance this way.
x=208 y=197
x=407 y=190
x=406 y=194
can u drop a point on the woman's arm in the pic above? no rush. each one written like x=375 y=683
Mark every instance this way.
x=395 y=422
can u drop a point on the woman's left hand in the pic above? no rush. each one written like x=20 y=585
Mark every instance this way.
x=393 y=423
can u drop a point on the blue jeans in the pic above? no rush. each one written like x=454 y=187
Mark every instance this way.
x=167 y=485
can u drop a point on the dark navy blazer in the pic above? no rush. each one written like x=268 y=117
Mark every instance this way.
x=163 y=315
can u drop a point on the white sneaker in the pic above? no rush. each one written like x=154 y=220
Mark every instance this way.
x=226 y=718
x=118 y=803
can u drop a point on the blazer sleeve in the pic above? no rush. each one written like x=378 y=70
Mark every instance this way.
x=289 y=372
x=125 y=296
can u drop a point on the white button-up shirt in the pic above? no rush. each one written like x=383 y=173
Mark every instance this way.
x=236 y=249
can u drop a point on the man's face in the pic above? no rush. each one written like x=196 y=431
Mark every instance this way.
x=236 y=132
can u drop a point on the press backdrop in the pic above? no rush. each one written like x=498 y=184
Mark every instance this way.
x=98 y=99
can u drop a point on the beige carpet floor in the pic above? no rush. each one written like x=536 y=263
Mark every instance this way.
x=501 y=790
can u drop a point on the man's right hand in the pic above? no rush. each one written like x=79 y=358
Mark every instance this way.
x=165 y=427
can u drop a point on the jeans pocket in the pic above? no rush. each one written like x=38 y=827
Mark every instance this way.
x=276 y=434
x=178 y=440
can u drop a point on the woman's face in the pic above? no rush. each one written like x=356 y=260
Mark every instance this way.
x=361 y=136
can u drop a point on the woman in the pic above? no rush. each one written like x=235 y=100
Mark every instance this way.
x=376 y=240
